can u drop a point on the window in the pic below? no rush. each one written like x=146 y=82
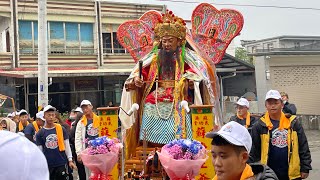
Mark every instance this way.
x=8 y=41
x=57 y=41
x=63 y=38
x=86 y=38
x=107 y=47
x=116 y=45
x=35 y=36
x=25 y=37
x=72 y=38
x=110 y=41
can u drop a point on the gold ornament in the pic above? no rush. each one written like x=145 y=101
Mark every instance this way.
x=170 y=25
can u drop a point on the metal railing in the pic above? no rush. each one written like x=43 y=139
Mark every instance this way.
x=60 y=51
x=292 y=49
x=115 y=51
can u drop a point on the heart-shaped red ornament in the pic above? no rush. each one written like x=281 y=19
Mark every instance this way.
x=213 y=30
x=137 y=36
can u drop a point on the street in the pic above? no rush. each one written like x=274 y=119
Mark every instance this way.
x=314 y=144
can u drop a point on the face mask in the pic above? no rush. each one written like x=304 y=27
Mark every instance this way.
x=284 y=102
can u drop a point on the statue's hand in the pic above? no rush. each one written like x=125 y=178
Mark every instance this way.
x=138 y=82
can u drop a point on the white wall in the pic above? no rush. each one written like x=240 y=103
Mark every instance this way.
x=262 y=84
x=4 y=26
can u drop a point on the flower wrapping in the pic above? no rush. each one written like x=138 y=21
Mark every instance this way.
x=183 y=158
x=101 y=156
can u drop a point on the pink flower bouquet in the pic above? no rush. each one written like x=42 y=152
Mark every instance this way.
x=182 y=158
x=101 y=156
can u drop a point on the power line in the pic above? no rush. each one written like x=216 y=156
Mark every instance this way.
x=245 y=5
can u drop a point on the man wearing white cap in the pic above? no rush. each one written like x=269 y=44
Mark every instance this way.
x=21 y=159
x=32 y=129
x=87 y=129
x=280 y=142
x=53 y=140
x=23 y=120
x=243 y=116
x=230 y=151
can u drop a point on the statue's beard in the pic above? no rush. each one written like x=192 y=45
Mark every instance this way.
x=168 y=60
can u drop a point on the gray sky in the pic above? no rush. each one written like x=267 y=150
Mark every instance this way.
x=259 y=23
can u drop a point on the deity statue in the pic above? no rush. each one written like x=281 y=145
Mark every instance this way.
x=171 y=73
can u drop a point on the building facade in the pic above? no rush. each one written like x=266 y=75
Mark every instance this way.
x=85 y=59
x=290 y=64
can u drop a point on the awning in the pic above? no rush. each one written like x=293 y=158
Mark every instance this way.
x=229 y=61
x=68 y=73
x=226 y=65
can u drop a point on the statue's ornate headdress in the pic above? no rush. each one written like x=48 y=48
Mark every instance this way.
x=170 y=25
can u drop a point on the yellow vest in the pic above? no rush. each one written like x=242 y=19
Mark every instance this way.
x=293 y=151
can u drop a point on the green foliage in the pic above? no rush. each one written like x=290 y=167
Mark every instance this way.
x=242 y=54
x=2 y=112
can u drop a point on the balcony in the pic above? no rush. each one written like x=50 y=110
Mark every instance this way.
x=60 y=57
x=115 y=51
x=60 y=51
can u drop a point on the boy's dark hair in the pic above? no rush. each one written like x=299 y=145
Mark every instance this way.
x=22 y=114
x=219 y=141
x=50 y=110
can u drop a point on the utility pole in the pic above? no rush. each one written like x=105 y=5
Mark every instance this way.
x=42 y=55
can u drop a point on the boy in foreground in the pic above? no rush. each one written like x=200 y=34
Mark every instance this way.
x=230 y=151
x=53 y=140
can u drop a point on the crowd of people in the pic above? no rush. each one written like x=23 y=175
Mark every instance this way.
x=273 y=146
x=60 y=141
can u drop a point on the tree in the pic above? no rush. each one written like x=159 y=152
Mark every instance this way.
x=242 y=54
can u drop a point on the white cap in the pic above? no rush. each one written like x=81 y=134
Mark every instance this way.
x=10 y=115
x=235 y=134
x=40 y=115
x=243 y=102
x=49 y=107
x=21 y=158
x=273 y=94
x=15 y=114
x=85 y=102
x=22 y=111
x=78 y=109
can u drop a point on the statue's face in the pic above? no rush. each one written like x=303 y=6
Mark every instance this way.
x=170 y=43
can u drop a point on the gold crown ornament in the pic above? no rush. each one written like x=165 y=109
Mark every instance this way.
x=170 y=25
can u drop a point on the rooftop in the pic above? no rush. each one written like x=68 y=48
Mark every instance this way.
x=285 y=37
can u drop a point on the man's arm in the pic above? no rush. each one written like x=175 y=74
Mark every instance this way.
x=290 y=108
x=68 y=149
x=39 y=140
x=69 y=154
x=293 y=109
x=78 y=139
x=255 y=153
x=304 y=151
x=28 y=133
